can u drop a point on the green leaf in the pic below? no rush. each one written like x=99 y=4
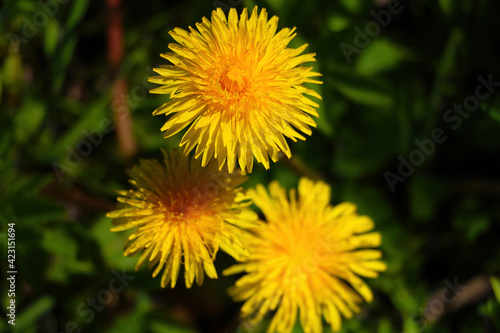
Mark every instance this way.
x=323 y=123
x=444 y=84
x=354 y=6
x=77 y=13
x=95 y=115
x=111 y=244
x=275 y=4
x=361 y=89
x=406 y=299
x=65 y=250
x=27 y=186
x=157 y=326
x=51 y=37
x=494 y=312
x=28 y=119
x=65 y=50
x=12 y=72
x=492 y=107
x=37 y=210
x=472 y=224
x=381 y=55
x=338 y=22
x=495 y=113
x=495 y=284
x=410 y=326
x=63 y=56
x=28 y=317
x=446 y=6
x=26 y=5
x=384 y=326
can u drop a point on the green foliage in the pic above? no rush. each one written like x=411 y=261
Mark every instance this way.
x=27 y=319
x=441 y=222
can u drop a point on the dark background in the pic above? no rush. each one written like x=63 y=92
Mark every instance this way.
x=75 y=115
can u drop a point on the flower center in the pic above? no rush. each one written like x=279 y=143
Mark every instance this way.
x=301 y=254
x=302 y=251
x=178 y=206
x=233 y=80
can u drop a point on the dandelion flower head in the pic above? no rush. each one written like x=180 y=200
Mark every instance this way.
x=182 y=213
x=238 y=87
x=307 y=260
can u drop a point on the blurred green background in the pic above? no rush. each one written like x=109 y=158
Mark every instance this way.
x=440 y=222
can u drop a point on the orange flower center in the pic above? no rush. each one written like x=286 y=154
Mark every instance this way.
x=178 y=205
x=302 y=253
x=233 y=80
x=187 y=205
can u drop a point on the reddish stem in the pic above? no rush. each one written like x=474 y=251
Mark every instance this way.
x=121 y=114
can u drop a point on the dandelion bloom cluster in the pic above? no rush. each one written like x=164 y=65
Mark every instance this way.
x=238 y=87
x=182 y=213
x=307 y=259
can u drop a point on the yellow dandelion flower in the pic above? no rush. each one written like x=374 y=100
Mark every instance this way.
x=239 y=87
x=307 y=259
x=183 y=213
